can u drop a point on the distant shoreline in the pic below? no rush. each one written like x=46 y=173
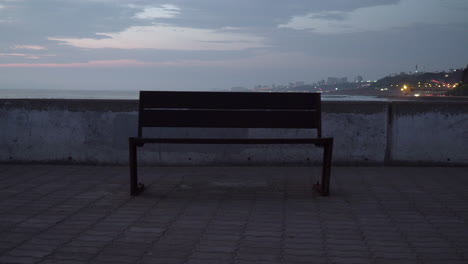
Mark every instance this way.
x=133 y=95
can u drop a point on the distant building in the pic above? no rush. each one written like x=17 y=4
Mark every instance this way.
x=358 y=78
x=465 y=75
x=239 y=89
x=332 y=80
x=335 y=80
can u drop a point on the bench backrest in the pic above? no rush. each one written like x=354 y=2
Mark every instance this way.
x=229 y=110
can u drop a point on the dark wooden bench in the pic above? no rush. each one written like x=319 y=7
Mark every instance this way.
x=231 y=110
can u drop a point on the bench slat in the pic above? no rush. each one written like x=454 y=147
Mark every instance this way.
x=230 y=118
x=319 y=141
x=227 y=100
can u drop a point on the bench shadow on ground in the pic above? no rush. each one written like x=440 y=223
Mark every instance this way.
x=230 y=182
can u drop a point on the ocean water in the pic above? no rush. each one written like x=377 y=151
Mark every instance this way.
x=125 y=95
x=65 y=94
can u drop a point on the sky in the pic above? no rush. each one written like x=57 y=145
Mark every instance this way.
x=219 y=44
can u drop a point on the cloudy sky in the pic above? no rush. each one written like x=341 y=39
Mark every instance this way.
x=218 y=44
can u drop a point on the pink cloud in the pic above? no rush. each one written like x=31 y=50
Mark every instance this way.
x=29 y=47
x=115 y=64
x=111 y=64
x=165 y=37
x=259 y=61
x=28 y=56
x=13 y=54
x=90 y=64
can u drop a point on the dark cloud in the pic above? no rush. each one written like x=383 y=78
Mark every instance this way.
x=34 y=21
x=84 y=18
x=259 y=13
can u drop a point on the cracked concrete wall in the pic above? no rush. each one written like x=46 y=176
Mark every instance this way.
x=97 y=131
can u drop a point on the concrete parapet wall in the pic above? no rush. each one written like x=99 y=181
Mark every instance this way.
x=97 y=131
x=429 y=132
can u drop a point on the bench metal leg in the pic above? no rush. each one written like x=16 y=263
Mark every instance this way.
x=324 y=186
x=326 y=170
x=135 y=187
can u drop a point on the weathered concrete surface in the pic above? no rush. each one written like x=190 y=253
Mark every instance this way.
x=436 y=132
x=97 y=131
x=359 y=130
x=238 y=215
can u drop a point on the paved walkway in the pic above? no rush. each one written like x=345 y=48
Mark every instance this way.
x=83 y=214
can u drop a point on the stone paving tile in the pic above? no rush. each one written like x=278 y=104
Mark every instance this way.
x=83 y=214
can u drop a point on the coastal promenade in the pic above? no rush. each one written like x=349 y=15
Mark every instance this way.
x=84 y=214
